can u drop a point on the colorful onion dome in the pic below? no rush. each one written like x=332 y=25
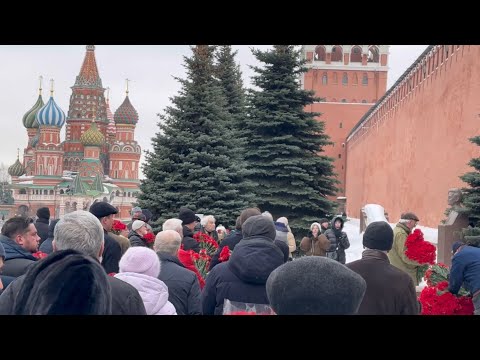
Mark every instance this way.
x=126 y=113
x=51 y=114
x=92 y=137
x=29 y=118
x=17 y=169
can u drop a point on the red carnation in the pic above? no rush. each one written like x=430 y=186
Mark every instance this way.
x=224 y=254
x=39 y=255
x=149 y=238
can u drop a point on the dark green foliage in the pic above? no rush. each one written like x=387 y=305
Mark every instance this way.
x=193 y=163
x=285 y=143
x=471 y=195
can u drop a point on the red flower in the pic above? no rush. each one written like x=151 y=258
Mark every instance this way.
x=419 y=250
x=206 y=242
x=39 y=255
x=187 y=258
x=112 y=274
x=118 y=227
x=224 y=254
x=149 y=238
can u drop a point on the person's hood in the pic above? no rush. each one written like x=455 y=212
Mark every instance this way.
x=259 y=226
x=153 y=291
x=254 y=258
x=335 y=219
x=14 y=251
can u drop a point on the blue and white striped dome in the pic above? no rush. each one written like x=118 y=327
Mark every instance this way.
x=50 y=114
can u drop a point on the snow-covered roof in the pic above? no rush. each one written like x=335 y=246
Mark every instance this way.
x=26 y=177
x=27 y=182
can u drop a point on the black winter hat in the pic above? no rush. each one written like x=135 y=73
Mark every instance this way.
x=186 y=215
x=315 y=285
x=66 y=282
x=43 y=213
x=101 y=209
x=379 y=236
x=148 y=214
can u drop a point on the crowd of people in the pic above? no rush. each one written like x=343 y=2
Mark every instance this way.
x=88 y=262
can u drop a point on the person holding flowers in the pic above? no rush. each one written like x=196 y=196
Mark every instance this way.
x=397 y=255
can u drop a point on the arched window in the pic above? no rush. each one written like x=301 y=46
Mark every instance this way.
x=23 y=192
x=373 y=54
x=337 y=54
x=324 y=79
x=345 y=79
x=320 y=53
x=335 y=79
x=356 y=54
x=344 y=100
x=364 y=101
x=355 y=79
x=117 y=193
x=365 y=79
x=341 y=125
x=62 y=192
x=51 y=192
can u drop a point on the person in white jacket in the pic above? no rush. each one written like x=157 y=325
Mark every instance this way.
x=140 y=267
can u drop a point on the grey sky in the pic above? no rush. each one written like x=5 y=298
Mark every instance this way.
x=151 y=68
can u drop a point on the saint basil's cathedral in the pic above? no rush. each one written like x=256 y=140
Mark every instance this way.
x=98 y=161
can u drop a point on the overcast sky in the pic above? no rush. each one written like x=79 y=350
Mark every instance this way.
x=151 y=69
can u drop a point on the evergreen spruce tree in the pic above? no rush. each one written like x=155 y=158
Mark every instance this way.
x=230 y=80
x=471 y=198
x=285 y=143
x=193 y=164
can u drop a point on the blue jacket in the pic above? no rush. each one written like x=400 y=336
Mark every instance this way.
x=465 y=270
x=17 y=259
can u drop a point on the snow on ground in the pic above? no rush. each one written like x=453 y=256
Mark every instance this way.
x=354 y=252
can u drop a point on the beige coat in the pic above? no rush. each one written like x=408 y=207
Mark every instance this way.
x=292 y=245
x=122 y=241
x=397 y=255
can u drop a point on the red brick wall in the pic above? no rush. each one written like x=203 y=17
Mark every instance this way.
x=420 y=147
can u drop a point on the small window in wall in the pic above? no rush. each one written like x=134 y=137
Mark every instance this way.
x=341 y=125
x=335 y=79
x=339 y=156
x=355 y=79
x=342 y=167
x=364 y=101
x=344 y=100
x=324 y=79
x=365 y=79
x=345 y=79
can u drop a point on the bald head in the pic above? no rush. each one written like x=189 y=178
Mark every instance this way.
x=168 y=241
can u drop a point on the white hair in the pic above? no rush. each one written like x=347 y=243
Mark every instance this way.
x=404 y=221
x=172 y=224
x=79 y=230
x=168 y=241
x=268 y=215
x=221 y=227
x=206 y=219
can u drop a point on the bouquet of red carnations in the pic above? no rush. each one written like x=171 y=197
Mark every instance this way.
x=421 y=251
x=118 y=227
x=39 y=255
x=437 y=300
x=225 y=254
x=206 y=242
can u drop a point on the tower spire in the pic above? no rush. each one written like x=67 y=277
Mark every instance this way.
x=51 y=87
x=127 y=81
x=40 y=88
x=89 y=76
x=18 y=153
x=108 y=95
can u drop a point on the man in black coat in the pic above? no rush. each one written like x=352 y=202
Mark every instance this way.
x=42 y=222
x=390 y=291
x=70 y=234
x=242 y=278
x=183 y=286
x=113 y=252
x=189 y=221
x=20 y=240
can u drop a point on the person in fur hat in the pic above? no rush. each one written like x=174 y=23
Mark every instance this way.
x=140 y=267
x=315 y=243
x=66 y=282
